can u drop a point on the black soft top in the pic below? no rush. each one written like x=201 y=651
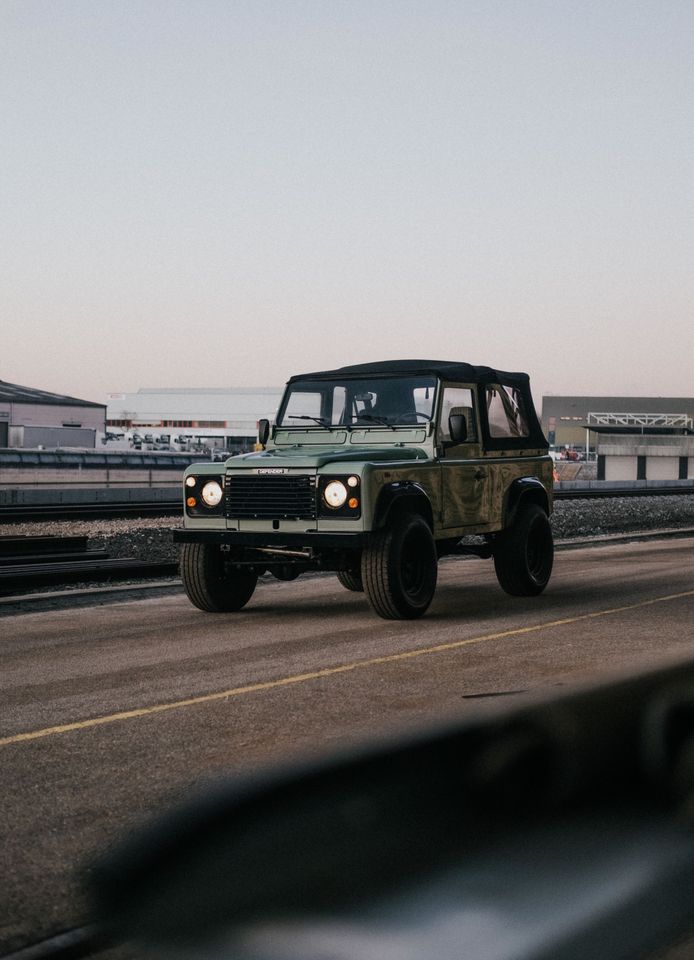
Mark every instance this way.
x=451 y=370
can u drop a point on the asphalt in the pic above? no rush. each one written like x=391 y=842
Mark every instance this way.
x=111 y=713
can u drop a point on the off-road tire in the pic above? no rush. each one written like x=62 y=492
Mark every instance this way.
x=399 y=568
x=351 y=580
x=207 y=582
x=524 y=553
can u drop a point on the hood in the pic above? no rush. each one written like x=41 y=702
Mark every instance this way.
x=317 y=457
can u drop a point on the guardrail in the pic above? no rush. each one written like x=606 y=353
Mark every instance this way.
x=53 y=469
x=587 y=489
x=97 y=460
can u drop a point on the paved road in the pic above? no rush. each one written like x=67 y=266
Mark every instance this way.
x=111 y=713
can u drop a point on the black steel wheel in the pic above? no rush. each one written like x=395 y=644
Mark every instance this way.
x=210 y=585
x=351 y=580
x=524 y=554
x=399 y=568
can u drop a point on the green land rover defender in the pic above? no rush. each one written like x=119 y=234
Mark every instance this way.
x=376 y=471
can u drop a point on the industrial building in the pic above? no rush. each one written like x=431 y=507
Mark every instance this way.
x=571 y=421
x=36 y=418
x=632 y=438
x=189 y=418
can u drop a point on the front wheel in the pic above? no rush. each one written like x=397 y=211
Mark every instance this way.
x=399 y=568
x=524 y=554
x=209 y=584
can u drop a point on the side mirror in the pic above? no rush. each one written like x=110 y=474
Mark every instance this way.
x=263 y=431
x=457 y=427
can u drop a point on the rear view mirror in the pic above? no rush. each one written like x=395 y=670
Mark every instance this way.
x=457 y=427
x=263 y=431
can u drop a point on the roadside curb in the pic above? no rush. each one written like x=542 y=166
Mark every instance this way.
x=670 y=533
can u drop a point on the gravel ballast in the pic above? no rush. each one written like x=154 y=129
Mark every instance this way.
x=150 y=538
x=598 y=517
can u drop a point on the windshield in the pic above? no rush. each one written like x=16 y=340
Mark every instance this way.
x=367 y=402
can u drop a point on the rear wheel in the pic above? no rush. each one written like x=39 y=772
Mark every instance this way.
x=351 y=580
x=210 y=585
x=399 y=568
x=524 y=554
x=286 y=571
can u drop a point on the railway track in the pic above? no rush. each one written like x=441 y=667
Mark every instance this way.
x=21 y=513
x=29 y=562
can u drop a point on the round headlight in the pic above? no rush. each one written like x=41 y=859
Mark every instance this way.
x=335 y=493
x=211 y=493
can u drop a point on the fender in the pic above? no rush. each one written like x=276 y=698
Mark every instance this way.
x=522 y=491
x=402 y=494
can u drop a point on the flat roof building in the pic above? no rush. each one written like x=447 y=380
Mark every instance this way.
x=215 y=417
x=36 y=418
x=566 y=420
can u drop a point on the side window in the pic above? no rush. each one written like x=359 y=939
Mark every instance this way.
x=458 y=400
x=505 y=412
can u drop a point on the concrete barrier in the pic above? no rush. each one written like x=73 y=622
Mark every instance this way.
x=628 y=486
x=62 y=495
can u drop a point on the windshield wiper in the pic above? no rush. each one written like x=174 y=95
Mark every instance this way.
x=321 y=421
x=375 y=419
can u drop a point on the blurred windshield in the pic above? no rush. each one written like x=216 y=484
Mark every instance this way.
x=367 y=402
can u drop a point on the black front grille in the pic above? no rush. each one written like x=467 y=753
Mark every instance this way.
x=270 y=497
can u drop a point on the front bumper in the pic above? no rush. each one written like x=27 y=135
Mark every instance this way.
x=234 y=538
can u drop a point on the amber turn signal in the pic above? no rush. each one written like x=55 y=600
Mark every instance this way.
x=191 y=501
x=353 y=503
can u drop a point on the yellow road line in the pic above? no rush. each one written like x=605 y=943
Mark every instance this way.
x=328 y=672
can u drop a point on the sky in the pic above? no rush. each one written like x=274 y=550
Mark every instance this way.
x=204 y=193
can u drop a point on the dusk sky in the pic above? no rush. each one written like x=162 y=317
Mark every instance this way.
x=202 y=193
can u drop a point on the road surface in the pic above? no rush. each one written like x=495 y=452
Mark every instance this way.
x=111 y=713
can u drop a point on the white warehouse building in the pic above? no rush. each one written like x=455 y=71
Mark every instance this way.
x=214 y=418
